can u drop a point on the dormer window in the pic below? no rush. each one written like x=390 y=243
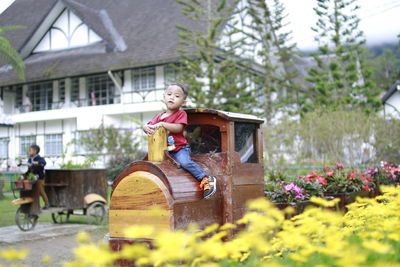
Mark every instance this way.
x=68 y=31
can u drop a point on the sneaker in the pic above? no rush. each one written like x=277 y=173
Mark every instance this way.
x=46 y=206
x=209 y=185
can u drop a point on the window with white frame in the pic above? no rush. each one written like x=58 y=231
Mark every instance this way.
x=18 y=96
x=24 y=143
x=144 y=78
x=61 y=91
x=75 y=90
x=40 y=95
x=101 y=90
x=4 y=148
x=68 y=31
x=53 y=144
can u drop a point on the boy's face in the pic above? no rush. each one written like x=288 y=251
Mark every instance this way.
x=174 y=97
x=31 y=152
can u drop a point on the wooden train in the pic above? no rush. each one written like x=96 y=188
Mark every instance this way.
x=227 y=145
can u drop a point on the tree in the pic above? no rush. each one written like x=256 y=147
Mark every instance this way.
x=275 y=54
x=340 y=76
x=117 y=147
x=385 y=68
x=214 y=72
x=8 y=55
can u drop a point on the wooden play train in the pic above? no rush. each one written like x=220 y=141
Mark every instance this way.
x=227 y=145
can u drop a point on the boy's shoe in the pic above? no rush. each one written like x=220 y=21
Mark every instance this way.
x=209 y=185
x=46 y=206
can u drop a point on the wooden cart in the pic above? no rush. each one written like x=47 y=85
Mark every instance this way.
x=70 y=191
x=227 y=146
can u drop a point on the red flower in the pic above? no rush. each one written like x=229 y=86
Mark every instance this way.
x=366 y=188
x=339 y=165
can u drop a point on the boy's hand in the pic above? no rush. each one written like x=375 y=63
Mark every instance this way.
x=149 y=129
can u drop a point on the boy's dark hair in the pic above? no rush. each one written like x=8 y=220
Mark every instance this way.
x=36 y=148
x=183 y=87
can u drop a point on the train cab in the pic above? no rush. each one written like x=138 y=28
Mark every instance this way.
x=227 y=145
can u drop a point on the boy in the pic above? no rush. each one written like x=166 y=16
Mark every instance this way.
x=36 y=166
x=175 y=120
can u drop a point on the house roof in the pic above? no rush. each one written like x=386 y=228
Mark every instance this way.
x=134 y=32
x=395 y=87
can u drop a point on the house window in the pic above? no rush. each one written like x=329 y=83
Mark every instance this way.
x=53 y=144
x=24 y=143
x=4 y=148
x=40 y=95
x=144 y=78
x=245 y=141
x=67 y=31
x=170 y=74
x=18 y=97
x=61 y=91
x=75 y=90
x=101 y=90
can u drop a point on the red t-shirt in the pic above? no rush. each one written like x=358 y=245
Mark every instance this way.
x=179 y=116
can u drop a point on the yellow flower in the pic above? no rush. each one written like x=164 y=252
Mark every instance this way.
x=13 y=254
x=139 y=231
x=323 y=202
x=46 y=259
x=377 y=246
x=83 y=237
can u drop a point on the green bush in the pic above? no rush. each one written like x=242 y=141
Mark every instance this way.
x=327 y=136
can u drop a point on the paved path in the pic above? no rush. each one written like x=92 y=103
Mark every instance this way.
x=12 y=234
x=54 y=240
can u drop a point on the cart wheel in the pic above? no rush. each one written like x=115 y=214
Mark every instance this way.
x=95 y=213
x=60 y=217
x=24 y=221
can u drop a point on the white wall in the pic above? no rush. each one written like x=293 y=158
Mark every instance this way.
x=392 y=105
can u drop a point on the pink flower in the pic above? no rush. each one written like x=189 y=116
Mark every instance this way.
x=330 y=174
x=366 y=188
x=322 y=180
x=339 y=165
x=326 y=167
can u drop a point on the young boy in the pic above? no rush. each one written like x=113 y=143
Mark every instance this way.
x=175 y=120
x=36 y=166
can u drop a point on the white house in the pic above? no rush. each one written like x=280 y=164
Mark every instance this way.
x=87 y=63
x=391 y=101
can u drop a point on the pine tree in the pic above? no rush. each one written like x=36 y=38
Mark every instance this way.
x=340 y=76
x=275 y=54
x=8 y=55
x=209 y=64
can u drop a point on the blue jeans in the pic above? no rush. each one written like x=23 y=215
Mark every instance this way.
x=183 y=157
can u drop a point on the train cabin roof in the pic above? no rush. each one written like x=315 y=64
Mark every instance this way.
x=231 y=116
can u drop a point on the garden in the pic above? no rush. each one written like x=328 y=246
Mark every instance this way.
x=366 y=235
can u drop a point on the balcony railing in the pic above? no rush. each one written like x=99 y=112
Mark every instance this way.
x=127 y=97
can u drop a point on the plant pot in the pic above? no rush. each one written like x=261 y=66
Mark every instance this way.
x=347 y=198
x=27 y=184
x=19 y=184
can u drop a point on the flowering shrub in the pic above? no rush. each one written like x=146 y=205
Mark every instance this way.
x=282 y=189
x=367 y=235
x=338 y=180
x=388 y=174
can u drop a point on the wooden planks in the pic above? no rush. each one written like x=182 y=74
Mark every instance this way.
x=134 y=201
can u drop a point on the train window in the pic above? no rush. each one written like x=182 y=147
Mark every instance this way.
x=245 y=140
x=203 y=138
